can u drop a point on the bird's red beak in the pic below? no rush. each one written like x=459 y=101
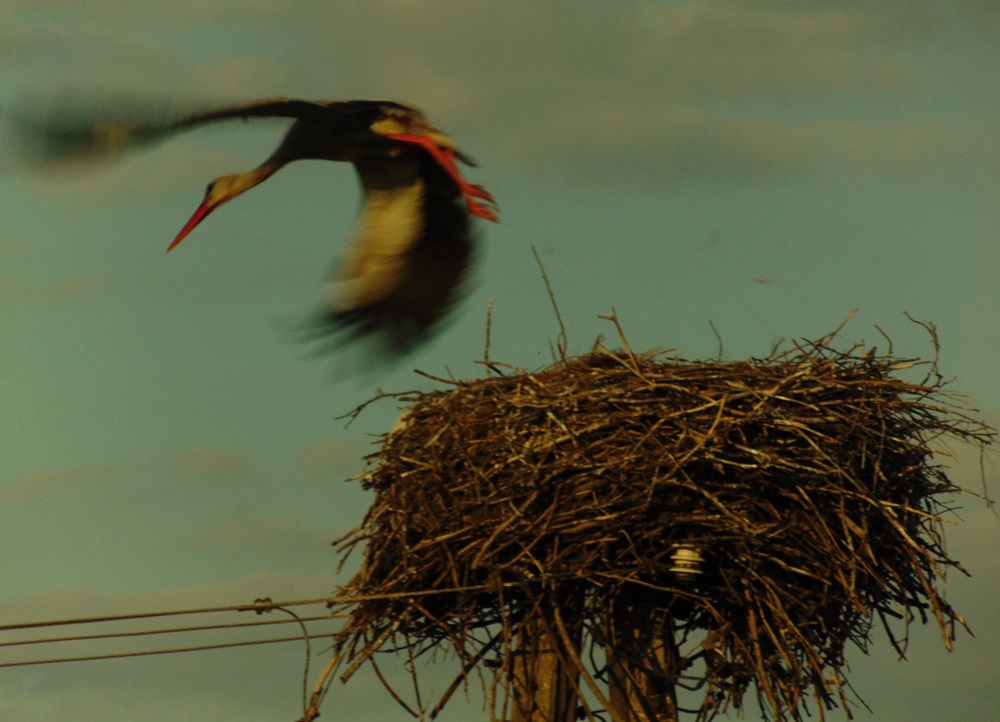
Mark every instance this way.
x=199 y=215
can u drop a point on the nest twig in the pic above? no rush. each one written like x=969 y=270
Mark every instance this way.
x=806 y=483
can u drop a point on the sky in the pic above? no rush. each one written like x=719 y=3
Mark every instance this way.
x=763 y=168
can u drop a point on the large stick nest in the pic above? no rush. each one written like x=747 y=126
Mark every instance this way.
x=805 y=480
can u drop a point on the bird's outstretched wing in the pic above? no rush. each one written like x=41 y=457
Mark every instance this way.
x=92 y=127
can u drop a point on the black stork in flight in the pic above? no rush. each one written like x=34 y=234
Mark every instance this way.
x=413 y=243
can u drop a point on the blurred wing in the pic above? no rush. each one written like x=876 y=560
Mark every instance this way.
x=404 y=266
x=79 y=127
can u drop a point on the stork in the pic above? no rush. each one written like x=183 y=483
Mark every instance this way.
x=413 y=243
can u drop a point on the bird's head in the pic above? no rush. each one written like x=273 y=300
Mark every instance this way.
x=222 y=189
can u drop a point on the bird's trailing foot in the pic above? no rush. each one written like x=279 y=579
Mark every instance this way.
x=446 y=159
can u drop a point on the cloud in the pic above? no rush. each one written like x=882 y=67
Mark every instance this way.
x=51 y=481
x=269 y=537
x=898 y=148
x=331 y=456
x=210 y=462
x=525 y=53
x=677 y=144
x=115 y=43
x=62 y=289
x=240 y=281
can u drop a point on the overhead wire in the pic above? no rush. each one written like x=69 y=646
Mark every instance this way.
x=260 y=606
x=150 y=632
x=148 y=653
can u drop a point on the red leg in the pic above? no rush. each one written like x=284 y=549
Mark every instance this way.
x=446 y=159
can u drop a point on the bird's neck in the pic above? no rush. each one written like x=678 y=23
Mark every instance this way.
x=259 y=174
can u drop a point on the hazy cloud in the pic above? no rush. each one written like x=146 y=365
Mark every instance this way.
x=268 y=538
x=50 y=481
x=210 y=462
x=331 y=456
x=116 y=45
x=239 y=281
x=16 y=289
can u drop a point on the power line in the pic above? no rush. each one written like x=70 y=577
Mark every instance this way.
x=149 y=632
x=148 y=653
x=260 y=606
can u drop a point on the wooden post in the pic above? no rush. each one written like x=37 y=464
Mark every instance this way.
x=642 y=665
x=544 y=679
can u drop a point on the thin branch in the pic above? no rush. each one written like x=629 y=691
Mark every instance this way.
x=561 y=341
